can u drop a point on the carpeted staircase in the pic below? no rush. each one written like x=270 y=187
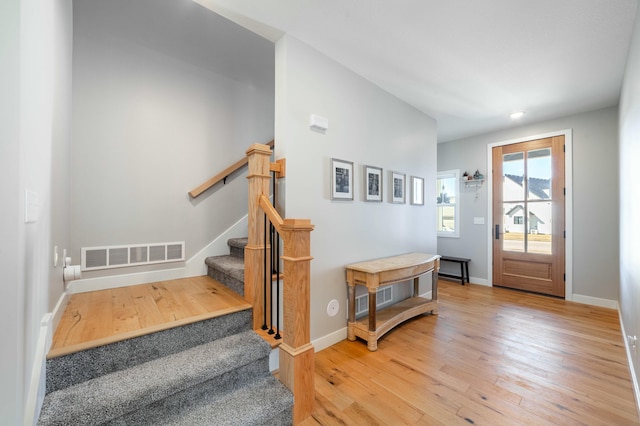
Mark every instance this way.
x=212 y=372
x=229 y=269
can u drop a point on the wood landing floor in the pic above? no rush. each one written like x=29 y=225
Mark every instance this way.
x=100 y=317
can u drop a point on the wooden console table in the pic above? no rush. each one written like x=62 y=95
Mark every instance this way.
x=381 y=272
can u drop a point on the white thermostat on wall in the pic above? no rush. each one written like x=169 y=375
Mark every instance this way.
x=319 y=124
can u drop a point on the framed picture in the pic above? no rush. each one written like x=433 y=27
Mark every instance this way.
x=341 y=179
x=372 y=183
x=397 y=187
x=417 y=191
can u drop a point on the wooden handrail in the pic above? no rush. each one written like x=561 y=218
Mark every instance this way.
x=270 y=211
x=222 y=175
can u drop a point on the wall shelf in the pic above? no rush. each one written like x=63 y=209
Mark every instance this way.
x=473 y=183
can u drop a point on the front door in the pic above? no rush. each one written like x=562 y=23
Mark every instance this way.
x=528 y=216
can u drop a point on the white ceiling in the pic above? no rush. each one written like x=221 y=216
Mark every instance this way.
x=466 y=63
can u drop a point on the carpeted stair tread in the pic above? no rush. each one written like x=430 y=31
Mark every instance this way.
x=81 y=366
x=113 y=395
x=227 y=269
x=264 y=401
x=228 y=264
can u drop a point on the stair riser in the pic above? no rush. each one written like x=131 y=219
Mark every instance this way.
x=236 y=246
x=237 y=251
x=226 y=279
x=78 y=367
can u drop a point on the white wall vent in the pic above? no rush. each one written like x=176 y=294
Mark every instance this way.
x=383 y=296
x=94 y=258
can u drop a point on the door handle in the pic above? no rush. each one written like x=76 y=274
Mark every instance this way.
x=497 y=232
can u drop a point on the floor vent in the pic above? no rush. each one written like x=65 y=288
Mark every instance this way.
x=94 y=258
x=383 y=296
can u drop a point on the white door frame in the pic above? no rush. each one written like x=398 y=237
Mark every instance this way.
x=568 y=173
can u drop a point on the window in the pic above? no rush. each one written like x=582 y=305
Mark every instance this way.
x=448 y=183
x=518 y=220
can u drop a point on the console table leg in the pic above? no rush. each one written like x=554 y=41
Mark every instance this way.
x=351 y=332
x=372 y=341
x=434 y=289
x=416 y=287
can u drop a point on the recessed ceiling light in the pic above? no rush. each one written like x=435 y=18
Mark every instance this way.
x=517 y=114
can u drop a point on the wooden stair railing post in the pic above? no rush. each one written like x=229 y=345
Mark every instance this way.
x=296 y=351
x=259 y=177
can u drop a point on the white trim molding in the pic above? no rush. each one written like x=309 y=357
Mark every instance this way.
x=632 y=371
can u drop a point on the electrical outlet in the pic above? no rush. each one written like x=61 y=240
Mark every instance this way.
x=633 y=344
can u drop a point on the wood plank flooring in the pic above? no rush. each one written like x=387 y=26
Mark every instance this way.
x=100 y=317
x=491 y=357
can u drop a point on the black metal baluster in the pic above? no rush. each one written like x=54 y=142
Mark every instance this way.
x=271 y=231
x=278 y=336
x=264 y=281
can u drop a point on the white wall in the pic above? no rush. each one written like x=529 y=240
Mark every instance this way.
x=629 y=199
x=35 y=38
x=11 y=258
x=61 y=142
x=165 y=95
x=595 y=198
x=366 y=126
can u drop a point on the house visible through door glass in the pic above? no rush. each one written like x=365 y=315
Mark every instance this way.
x=527 y=221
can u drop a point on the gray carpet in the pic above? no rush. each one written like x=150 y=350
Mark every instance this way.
x=214 y=372
x=78 y=367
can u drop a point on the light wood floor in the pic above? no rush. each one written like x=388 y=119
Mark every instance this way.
x=99 y=317
x=491 y=357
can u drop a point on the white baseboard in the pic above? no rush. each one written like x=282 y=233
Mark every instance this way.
x=480 y=281
x=274 y=360
x=472 y=280
x=37 y=381
x=426 y=295
x=194 y=267
x=634 y=378
x=595 y=301
x=329 y=339
x=318 y=345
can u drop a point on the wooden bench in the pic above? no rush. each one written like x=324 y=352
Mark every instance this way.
x=464 y=268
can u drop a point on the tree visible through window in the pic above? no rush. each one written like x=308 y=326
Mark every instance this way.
x=448 y=183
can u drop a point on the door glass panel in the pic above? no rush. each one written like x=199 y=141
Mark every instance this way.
x=513 y=176
x=539 y=174
x=513 y=225
x=539 y=227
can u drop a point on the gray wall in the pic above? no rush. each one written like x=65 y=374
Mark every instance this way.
x=11 y=258
x=595 y=198
x=165 y=95
x=366 y=126
x=35 y=46
x=629 y=199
